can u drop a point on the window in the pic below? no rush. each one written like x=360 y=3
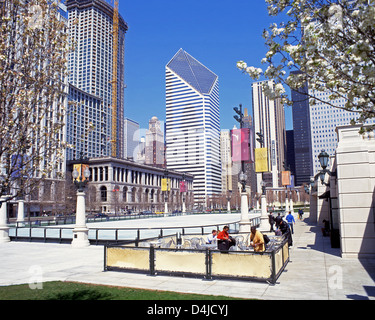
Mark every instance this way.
x=103 y=194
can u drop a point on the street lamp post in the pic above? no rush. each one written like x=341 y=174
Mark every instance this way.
x=166 y=172
x=183 y=194
x=245 y=223
x=323 y=160
x=229 y=196
x=80 y=231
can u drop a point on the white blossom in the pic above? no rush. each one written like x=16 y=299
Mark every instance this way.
x=329 y=44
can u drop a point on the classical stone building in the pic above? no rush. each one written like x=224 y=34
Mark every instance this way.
x=346 y=199
x=119 y=185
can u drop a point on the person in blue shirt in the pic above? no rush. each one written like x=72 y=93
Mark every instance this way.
x=290 y=220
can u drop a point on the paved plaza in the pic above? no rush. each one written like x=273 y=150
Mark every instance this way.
x=315 y=271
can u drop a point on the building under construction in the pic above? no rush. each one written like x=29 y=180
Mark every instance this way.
x=96 y=66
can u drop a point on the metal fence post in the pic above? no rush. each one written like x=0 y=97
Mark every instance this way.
x=208 y=259
x=152 y=260
x=273 y=262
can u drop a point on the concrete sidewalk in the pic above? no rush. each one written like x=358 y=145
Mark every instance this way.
x=315 y=271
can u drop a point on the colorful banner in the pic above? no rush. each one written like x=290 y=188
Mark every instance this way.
x=183 y=186
x=285 y=178
x=240 y=144
x=81 y=169
x=165 y=184
x=261 y=160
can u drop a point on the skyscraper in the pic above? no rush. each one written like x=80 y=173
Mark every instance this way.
x=154 y=148
x=133 y=139
x=193 y=124
x=269 y=119
x=324 y=119
x=91 y=64
x=302 y=135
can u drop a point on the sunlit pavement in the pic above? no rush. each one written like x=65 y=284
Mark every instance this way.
x=315 y=271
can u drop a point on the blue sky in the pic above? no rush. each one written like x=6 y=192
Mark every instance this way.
x=217 y=33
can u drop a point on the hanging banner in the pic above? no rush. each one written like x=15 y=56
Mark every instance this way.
x=261 y=160
x=165 y=184
x=285 y=178
x=251 y=146
x=81 y=169
x=183 y=186
x=240 y=144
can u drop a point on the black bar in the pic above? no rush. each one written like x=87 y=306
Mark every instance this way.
x=105 y=257
x=273 y=259
x=152 y=260
x=208 y=265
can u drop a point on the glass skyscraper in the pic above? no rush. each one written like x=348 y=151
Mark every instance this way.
x=91 y=68
x=193 y=124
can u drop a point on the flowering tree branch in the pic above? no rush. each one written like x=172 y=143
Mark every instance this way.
x=330 y=45
x=33 y=73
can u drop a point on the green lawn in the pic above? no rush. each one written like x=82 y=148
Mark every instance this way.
x=79 y=291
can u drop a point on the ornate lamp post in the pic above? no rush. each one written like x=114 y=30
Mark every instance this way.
x=229 y=196
x=166 y=173
x=245 y=221
x=323 y=160
x=183 y=194
x=80 y=231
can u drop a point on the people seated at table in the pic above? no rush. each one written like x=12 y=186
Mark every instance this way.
x=211 y=237
x=257 y=240
x=224 y=240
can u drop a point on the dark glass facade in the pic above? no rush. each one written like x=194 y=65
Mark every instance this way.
x=302 y=136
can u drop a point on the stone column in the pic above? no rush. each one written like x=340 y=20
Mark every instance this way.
x=4 y=228
x=245 y=223
x=80 y=231
x=21 y=213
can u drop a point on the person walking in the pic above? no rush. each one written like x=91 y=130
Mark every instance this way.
x=300 y=214
x=285 y=230
x=291 y=221
x=278 y=220
x=271 y=220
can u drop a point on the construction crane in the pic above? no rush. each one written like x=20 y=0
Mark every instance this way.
x=114 y=77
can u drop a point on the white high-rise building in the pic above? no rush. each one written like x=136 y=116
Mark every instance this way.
x=324 y=119
x=132 y=138
x=269 y=119
x=193 y=124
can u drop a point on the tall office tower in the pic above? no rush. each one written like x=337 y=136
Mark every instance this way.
x=193 y=124
x=155 y=148
x=324 y=119
x=269 y=119
x=83 y=126
x=302 y=136
x=132 y=138
x=226 y=161
x=91 y=64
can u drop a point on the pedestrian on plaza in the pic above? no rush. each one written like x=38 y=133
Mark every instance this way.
x=257 y=240
x=325 y=230
x=300 y=214
x=285 y=230
x=277 y=220
x=224 y=240
x=271 y=220
x=211 y=237
x=291 y=221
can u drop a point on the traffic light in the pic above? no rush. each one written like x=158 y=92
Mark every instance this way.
x=240 y=114
x=260 y=138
